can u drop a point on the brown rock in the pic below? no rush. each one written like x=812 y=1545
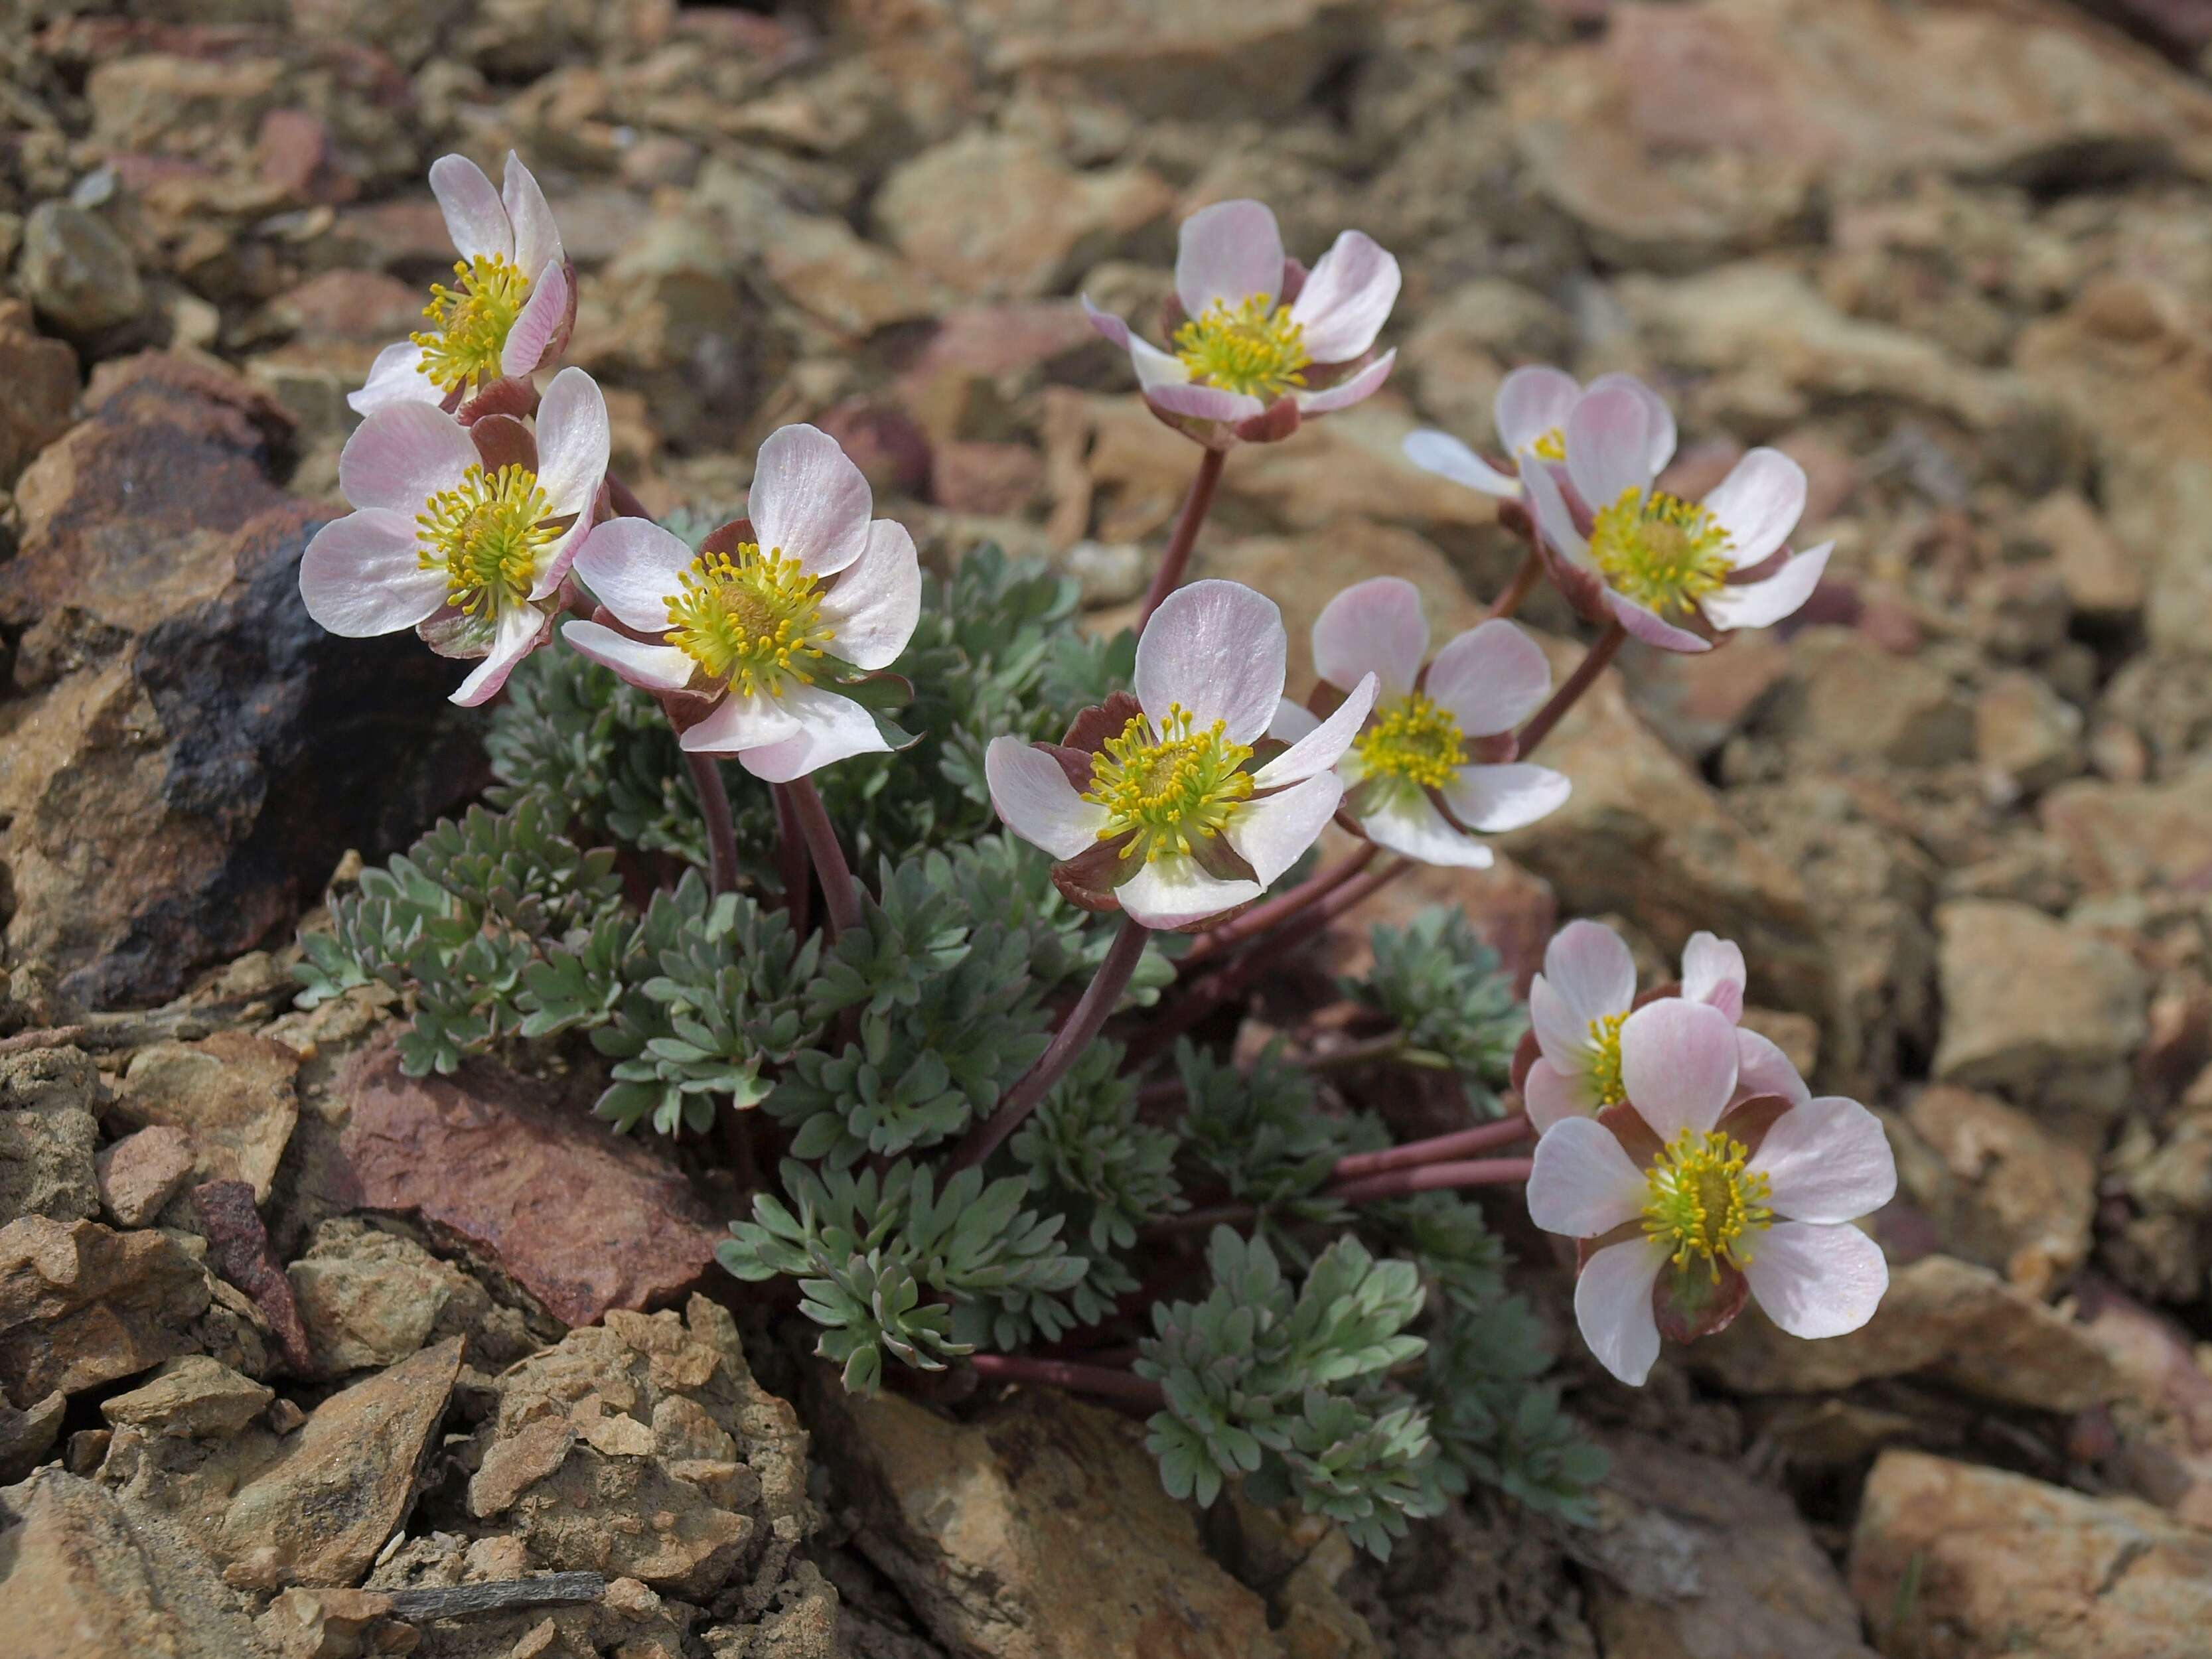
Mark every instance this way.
x=344 y=1482
x=334 y=1624
x=364 y=306
x=240 y=1246
x=2003 y=1192
x=1038 y=1529
x=46 y=1163
x=37 y=389
x=2027 y=732
x=81 y=1305
x=2104 y=580
x=582 y=1221
x=192 y=1397
x=1952 y=1561
x=1844 y=697
x=1957 y=1322
x=26 y=1436
x=2129 y=838
x=233 y=1095
x=369 y=1298
x=141 y=1172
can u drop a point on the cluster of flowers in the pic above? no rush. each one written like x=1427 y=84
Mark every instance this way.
x=1684 y=1152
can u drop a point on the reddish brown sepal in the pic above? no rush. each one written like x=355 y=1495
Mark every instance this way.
x=1271 y=425
x=503 y=441
x=729 y=537
x=508 y=396
x=1691 y=1301
x=1089 y=730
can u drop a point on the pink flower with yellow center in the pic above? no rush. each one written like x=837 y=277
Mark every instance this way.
x=1530 y=416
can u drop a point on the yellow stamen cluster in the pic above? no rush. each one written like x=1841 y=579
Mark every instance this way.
x=1704 y=1203
x=1176 y=787
x=1551 y=447
x=752 y=619
x=1605 y=1066
x=486 y=535
x=470 y=326
x=1414 y=739
x=1252 y=347
x=1662 y=552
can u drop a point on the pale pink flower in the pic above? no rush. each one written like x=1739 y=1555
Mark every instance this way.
x=1530 y=415
x=1152 y=806
x=1420 y=776
x=1259 y=342
x=462 y=533
x=1628 y=549
x=1577 y=1007
x=757 y=629
x=512 y=308
x=1687 y=1204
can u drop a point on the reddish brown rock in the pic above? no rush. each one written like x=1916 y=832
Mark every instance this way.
x=582 y=1220
x=82 y=1304
x=141 y=1172
x=37 y=387
x=240 y=1247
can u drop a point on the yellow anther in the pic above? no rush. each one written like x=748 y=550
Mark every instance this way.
x=1661 y=551
x=1412 y=739
x=1702 y=1201
x=486 y=535
x=1174 y=787
x=1253 y=347
x=470 y=324
x=750 y=617
x=1605 y=1065
x=1551 y=447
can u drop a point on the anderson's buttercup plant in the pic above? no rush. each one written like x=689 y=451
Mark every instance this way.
x=990 y=1112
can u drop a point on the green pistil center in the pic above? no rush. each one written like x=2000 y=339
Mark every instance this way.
x=752 y=619
x=1662 y=552
x=469 y=324
x=486 y=535
x=1252 y=347
x=1702 y=1202
x=1176 y=787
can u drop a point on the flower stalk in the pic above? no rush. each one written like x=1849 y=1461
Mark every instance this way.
x=1262 y=917
x=796 y=869
x=1432 y=1177
x=1176 y=560
x=1593 y=663
x=1108 y=1380
x=715 y=807
x=838 y=895
x=1437 y=1149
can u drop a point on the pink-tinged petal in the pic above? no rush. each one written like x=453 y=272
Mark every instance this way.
x=1563 y=1030
x=1272 y=834
x=1678 y=1065
x=574 y=441
x=1660 y=419
x=1583 y=1183
x=1713 y=971
x=1761 y=605
x=1447 y=458
x=402 y=455
x=1407 y=822
x=1107 y=323
x=1154 y=368
x=1228 y=252
x=1353 y=388
x=738 y=723
x=809 y=500
x=831 y=728
x=362 y=575
x=1761 y=1069
x=1591 y=969
x=1531 y=402
x=522 y=630
x=1174 y=892
x=1613 y=1307
x=537 y=237
x=655 y=667
x=1199 y=403
x=1554 y=519
x=1827 y=1160
x=1217 y=648
x=1650 y=626
x=1376 y=626
x=1491 y=799
x=541 y=318
x=396 y=377
x=1553 y=1095
x=475 y=216
x=554 y=560
x=875 y=602
x=1292 y=722
x=634 y=567
x=1609 y=443
x=1037 y=802
x=1816 y=1281
x=1758 y=504
x=1491 y=678
x=1323 y=746
x=1346 y=299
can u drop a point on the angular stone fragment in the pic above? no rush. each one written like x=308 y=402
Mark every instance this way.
x=192 y=1397
x=141 y=1172
x=233 y=1096
x=82 y=1304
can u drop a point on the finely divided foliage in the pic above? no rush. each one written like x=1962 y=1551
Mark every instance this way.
x=985 y=1094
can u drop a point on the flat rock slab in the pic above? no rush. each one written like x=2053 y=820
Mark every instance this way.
x=582 y=1220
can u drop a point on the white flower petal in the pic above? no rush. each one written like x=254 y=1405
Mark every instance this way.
x=1037 y=802
x=1376 y=626
x=1763 y=604
x=574 y=441
x=1218 y=648
x=1292 y=722
x=402 y=455
x=1647 y=625
x=655 y=667
x=1827 y=1160
x=1758 y=504
x=739 y=722
x=1491 y=678
x=1228 y=252
x=1584 y=1184
x=876 y=601
x=1609 y=444
x=396 y=377
x=1323 y=746
x=1563 y=1030
x=1549 y=507
x=1272 y=834
x=1761 y=1069
x=1713 y=971
x=522 y=630
x=1589 y=967
x=537 y=237
x=633 y=568
x=1660 y=419
x=1407 y=822
x=1106 y=323
x=1447 y=458
x=541 y=318
x=362 y=575
x=1613 y=1307
x=831 y=728
x=1816 y=1281
x=1492 y=799
x=1532 y=401
x=1553 y=1096
x=810 y=500
x=1678 y=1065
x=1353 y=389
x=1174 y=892
x=1346 y=298
x=475 y=216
